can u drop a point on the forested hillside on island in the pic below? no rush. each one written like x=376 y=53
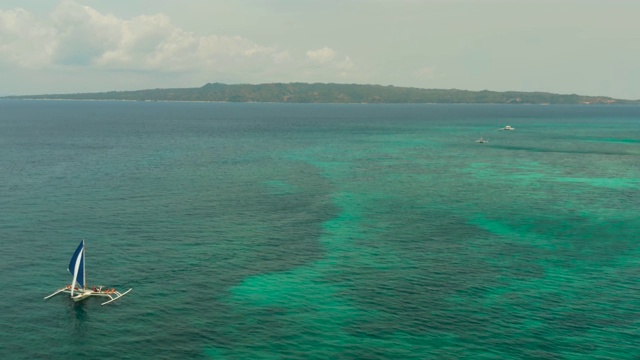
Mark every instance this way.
x=333 y=93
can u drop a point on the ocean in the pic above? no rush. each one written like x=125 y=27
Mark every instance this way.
x=321 y=231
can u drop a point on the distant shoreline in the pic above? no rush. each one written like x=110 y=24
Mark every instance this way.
x=292 y=103
x=332 y=94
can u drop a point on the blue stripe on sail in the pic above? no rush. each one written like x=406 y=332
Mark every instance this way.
x=80 y=266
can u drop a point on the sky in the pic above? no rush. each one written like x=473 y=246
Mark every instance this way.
x=586 y=47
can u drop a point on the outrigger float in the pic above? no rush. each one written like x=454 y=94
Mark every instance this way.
x=78 y=289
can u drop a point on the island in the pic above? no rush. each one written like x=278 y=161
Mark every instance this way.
x=333 y=93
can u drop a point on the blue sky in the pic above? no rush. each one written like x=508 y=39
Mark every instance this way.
x=564 y=46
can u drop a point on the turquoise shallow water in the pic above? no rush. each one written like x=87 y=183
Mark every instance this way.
x=273 y=231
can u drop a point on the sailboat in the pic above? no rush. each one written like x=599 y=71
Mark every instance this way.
x=78 y=288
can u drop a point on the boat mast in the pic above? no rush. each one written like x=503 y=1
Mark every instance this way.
x=84 y=274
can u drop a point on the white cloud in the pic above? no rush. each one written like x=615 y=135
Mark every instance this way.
x=321 y=56
x=77 y=35
x=346 y=64
x=75 y=47
x=426 y=72
x=23 y=41
x=326 y=64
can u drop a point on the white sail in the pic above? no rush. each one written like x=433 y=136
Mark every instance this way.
x=76 y=268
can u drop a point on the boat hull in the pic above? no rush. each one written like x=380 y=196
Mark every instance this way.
x=81 y=296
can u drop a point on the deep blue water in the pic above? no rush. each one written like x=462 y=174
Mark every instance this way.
x=282 y=231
